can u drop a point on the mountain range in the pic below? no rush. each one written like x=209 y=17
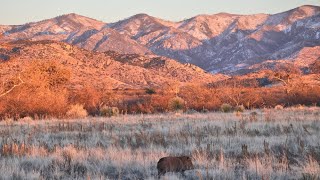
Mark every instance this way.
x=219 y=43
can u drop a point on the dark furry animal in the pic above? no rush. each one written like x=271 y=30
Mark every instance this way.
x=174 y=164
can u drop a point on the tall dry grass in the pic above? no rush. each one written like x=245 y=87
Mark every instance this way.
x=278 y=144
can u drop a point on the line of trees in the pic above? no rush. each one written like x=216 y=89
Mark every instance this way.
x=43 y=89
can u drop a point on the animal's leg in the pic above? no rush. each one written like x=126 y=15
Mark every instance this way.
x=160 y=174
x=183 y=174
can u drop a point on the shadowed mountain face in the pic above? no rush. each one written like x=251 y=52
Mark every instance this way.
x=217 y=43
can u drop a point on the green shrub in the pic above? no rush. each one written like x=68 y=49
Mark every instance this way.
x=77 y=111
x=226 y=108
x=176 y=104
x=109 y=111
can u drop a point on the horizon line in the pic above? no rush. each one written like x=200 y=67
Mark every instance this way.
x=142 y=13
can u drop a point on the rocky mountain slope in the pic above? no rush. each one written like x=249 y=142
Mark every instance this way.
x=223 y=42
x=104 y=70
x=74 y=29
x=226 y=42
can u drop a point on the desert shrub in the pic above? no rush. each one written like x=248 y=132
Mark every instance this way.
x=303 y=94
x=176 y=104
x=26 y=119
x=191 y=111
x=137 y=104
x=89 y=96
x=226 y=107
x=278 y=107
x=253 y=116
x=77 y=111
x=199 y=97
x=160 y=102
x=109 y=111
x=239 y=108
x=311 y=169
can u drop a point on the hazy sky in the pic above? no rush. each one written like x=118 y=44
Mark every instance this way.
x=22 y=11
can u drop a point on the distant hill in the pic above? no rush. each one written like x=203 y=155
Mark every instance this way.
x=103 y=70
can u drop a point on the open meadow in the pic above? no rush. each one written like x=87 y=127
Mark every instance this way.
x=170 y=90
x=255 y=144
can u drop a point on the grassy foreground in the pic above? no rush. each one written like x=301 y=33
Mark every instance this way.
x=260 y=144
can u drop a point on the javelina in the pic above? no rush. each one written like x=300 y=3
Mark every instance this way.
x=174 y=164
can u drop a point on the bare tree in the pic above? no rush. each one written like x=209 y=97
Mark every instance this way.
x=284 y=73
x=13 y=87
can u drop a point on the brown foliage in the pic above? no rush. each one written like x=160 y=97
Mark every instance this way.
x=43 y=92
x=44 y=89
x=159 y=101
x=50 y=75
x=200 y=97
x=89 y=96
x=248 y=97
x=304 y=94
x=284 y=73
x=140 y=104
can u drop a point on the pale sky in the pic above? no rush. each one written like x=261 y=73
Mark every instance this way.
x=22 y=11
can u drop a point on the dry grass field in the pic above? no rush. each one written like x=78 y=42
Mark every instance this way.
x=256 y=144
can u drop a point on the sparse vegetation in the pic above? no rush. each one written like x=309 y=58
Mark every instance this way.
x=226 y=108
x=43 y=92
x=105 y=110
x=222 y=146
x=109 y=111
x=176 y=104
x=47 y=88
x=76 y=111
x=239 y=108
x=34 y=100
x=278 y=107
